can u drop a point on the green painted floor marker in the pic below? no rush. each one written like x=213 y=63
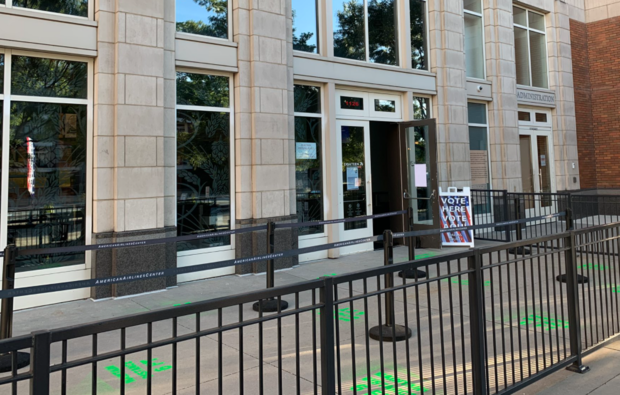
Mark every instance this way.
x=540 y=321
x=137 y=370
x=181 y=304
x=327 y=275
x=390 y=385
x=593 y=266
x=463 y=282
x=345 y=314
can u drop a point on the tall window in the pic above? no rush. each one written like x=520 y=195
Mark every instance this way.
x=69 y=7
x=47 y=149
x=308 y=159
x=478 y=145
x=530 y=48
x=421 y=108
x=365 y=30
x=203 y=158
x=417 y=13
x=474 y=42
x=305 y=26
x=204 y=17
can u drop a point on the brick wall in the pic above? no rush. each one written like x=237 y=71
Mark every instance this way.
x=597 y=91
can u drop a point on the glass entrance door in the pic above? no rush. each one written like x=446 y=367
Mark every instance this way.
x=355 y=194
x=420 y=183
x=537 y=173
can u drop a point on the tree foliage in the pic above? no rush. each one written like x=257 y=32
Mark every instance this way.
x=300 y=42
x=217 y=21
x=71 y=7
x=349 y=38
x=418 y=34
x=382 y=32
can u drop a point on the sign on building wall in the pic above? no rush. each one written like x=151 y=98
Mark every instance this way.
x=534 y=97
x=456 y=212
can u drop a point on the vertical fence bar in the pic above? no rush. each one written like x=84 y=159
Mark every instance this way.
x=8 y=282
x=506 y=216
x=477 y=324
x=572 y=296
x=40 y=381
x=328 y=367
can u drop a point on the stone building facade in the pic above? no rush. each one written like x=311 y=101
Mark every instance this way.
x=190 y=117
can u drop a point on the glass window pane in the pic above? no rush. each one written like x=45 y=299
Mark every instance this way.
x=204 y=17
x=309 y=173
x=524 y=116
x=305 y=29
x=474 y=54
x=47 y=181
x=48 y=77
x=70 y=7
x=349 y=29
x=203 y=90
x=477 y=113
x=522 y=56
x=417 y=12
x=381 y=32
x=354 y=176
x=479 y=157
x=203 y=176
x=1 y=75
x=538 y=48
x=421 y=107
x=519 y=16
x=541 y=117
x=473 y=5
x=385 y=105
x=537 y=21
x=307 y=99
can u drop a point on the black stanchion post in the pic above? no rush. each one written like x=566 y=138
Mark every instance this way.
x=390 y=332
x=412 y=272
x=563 y=278
x=477 y=323
x=270 y=305
x=6 y=315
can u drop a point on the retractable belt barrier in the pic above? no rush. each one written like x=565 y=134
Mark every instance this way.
x=232 y=262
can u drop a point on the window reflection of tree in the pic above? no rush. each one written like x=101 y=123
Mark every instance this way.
x=349 y=38
x=71 y=7
x=382 y=32
x=300 y=42
x=353 y=155
x=217 y=25
x=417 y=11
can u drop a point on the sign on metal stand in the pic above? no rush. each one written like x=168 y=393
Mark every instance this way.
x=455 y=212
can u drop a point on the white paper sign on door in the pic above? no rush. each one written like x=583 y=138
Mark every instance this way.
x=352 y=178
x=420 y=176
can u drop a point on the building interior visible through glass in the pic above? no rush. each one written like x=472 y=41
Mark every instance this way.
x=203 y=17
x=47 y=159
x=354 y=176
x=203 y=158
x=308 y=157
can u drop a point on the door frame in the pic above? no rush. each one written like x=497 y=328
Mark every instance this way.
x=343 y=234
x=533 y=134
x=431 y=241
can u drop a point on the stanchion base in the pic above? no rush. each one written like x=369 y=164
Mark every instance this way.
x=520 y=251
x=580 y=279
x=397 y=333
x=6 y=361
x=412 y=273
x=581 y=369
x=270 y=306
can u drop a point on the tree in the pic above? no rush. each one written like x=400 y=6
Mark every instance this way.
x=217 y=25
x=349 y=39
x=71 y=7
x=381 y=32
x=418 y=34
x=300 y=43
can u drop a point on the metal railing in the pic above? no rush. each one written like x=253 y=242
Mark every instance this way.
x=484 y=321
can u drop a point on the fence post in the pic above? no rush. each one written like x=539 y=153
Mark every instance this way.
x=6 y=315
x=411 y=272
x=572 y=296
x=390 y=332
x=40 y=382
x=270 y=305
x=506 y=215
x=477 y=323
x=570 y=214
x=326 y=321
x=519 y=250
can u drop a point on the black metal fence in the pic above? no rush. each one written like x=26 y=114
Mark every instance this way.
x=483 y=321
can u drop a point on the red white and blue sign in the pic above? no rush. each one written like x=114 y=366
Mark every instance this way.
x=455 y=212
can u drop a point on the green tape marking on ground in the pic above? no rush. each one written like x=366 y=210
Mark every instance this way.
x=540 y=321
x=593 y=266
x=327 y=275
x=181 y=304
x=345 y=314
x=464 y=282
x=131 y=366
x=421 y=256
x=390 y=385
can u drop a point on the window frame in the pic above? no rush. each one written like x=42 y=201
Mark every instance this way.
x=89 y=16
x=321 y=115
x=407 y=62
x=319 y=31
x=7 y=98
x=482 y=38
x=229 y=21
x=485 y=126
x=529 y=49
x=397 y=36
x=430 y=106
x=232 y=164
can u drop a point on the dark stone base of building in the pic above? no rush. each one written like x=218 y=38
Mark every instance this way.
x=255 y=243
x=121 y=261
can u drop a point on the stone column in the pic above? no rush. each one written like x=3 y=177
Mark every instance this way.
x=446 y=48
x=134 y=177
x=264 y=125
x=502 y=72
